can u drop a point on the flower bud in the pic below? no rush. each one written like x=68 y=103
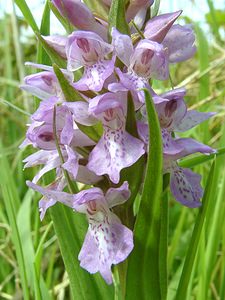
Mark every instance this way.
x=157 y=28
x=79 y=15
x=57 y=42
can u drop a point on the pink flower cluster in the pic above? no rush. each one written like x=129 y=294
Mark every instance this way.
x=110 y=70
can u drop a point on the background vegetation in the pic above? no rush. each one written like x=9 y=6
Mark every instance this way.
x=29 y=253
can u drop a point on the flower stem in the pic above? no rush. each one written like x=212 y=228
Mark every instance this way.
x=71 y=186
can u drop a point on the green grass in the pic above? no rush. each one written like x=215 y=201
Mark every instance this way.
x=31 y=265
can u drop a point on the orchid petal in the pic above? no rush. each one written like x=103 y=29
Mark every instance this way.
x=116 y=196
x=185 y=186
x=157 y=28
x=95 y=76
x=79 y=109
x=71 y=165
x=180 y=43
x=191 y=119
x=59 y=196
x=123 y=46
x=116 y=150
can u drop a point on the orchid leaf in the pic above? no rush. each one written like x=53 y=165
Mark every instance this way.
x=133 y=174
x=144 y=260
x=69 y=92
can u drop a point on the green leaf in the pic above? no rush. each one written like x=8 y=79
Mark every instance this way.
x=193 y=245
x=133 y=174
x=214 y=23
x=27 y=14
x=143 y=278
x=155 y=9
x=70 y=229
x=55 y=57
x=163 y=243
x=11 y=200
x=70 y=94
x=42 y=56
x=94 y=132
x=200 y=159
x=117 y=17
x=24 y=227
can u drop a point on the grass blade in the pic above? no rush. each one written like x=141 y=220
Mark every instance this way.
x=10 y=198
x=42 y=56
x=200 y=159
x=193 y=247
x=24 y=8
x=117 y=17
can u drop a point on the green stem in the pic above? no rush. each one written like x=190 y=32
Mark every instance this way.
x=138 y=30
x=163 y=243
x=71 y=186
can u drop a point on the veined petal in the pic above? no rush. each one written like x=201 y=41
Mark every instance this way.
x=80 y=139
x=46 y=106
x=67 y=132
x=71 y=165
x=85 y=48
x=123 y=46
x=172 y=110
x=59 y=196
x=45 y=202
x=170 y=147
x=79 y=109
x=108 y=102
x=185 y=186
x=107 y=242
x=180 y=43
x=150 y=60
x=39 y=158
x=51 y=164
x=191 y=146
x=116 y=196
x=191 y=119
x=95 y=76
x=116 y=150
x=35 y=91
x=143 y=132
x=133 y=82
x=140 y=17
